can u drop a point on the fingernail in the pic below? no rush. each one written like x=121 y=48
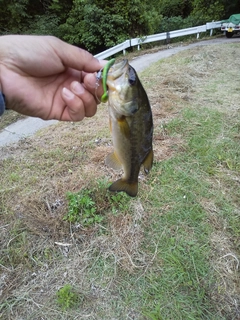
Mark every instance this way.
x=68 y=94
x=77 y=88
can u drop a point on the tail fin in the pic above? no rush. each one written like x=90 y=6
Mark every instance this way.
x=122 y=185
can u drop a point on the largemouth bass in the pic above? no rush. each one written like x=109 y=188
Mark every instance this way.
x=131 y=126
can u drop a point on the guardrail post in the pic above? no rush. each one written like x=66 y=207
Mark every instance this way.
x=168 y=37
x=211 y=30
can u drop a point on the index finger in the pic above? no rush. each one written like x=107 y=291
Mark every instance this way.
x=79 y=59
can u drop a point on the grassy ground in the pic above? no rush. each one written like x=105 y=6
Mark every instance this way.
x=8 y=118
x=171 y=253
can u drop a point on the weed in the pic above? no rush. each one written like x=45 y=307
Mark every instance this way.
x=119 y=202
x=67 y=298
x=82 y=208
x=88 y=205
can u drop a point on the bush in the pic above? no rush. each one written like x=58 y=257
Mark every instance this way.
x=177 y=23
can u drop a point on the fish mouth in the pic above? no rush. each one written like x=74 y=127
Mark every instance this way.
x=117 y=69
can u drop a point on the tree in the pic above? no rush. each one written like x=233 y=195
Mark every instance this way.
x=175 y=8
x=230 y=7
x=13 y=16
x=207 y=10
x=47 y=16
x=98 y=24
x=34 y=17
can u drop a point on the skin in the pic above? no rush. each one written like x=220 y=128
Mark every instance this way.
x=42 y=76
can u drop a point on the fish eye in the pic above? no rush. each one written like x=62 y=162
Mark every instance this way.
x=132 y=76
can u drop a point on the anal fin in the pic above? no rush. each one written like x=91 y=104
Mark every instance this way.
x=113 y=162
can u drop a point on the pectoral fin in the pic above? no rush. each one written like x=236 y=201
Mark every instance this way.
x=147 y=163
x=113 y=162
x=121 y=185
x=124 y=127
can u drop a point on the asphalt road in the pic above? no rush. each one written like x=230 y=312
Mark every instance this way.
x=27 y=127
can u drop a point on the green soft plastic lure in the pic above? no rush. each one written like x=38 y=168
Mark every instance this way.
x=104 y=97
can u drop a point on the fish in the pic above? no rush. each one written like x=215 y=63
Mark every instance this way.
x=131 y=126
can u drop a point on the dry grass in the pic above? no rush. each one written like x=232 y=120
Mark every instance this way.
x=40 y=252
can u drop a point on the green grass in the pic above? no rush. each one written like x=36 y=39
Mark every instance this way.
x=211 y=153
x=185 y=181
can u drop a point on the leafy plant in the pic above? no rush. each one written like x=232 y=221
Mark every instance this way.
x=115 y=202
x=66 y=297
x=119 y=202
x=82 y=208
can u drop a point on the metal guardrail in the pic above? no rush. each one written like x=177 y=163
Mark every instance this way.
x=158 y=37
x=213 y=25
x=109 y=52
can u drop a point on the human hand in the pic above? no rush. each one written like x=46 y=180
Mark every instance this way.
x=42 y=76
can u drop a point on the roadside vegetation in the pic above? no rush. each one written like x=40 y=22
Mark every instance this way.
x=69 y=249
x=97 y=25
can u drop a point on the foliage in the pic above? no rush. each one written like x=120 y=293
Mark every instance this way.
x=88 y=206
x=13 y=15
x=206 y=11
x=90 y=26
x=99 y=25
x=96 y=24
x=177 y=22
x=38 y=17
x=45 y=24
x=176 y=8
x=66 y=297
x=82 y=208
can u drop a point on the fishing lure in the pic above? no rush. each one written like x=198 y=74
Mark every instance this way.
x=102 y=74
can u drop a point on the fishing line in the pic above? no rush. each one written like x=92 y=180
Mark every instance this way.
x=98 y=78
